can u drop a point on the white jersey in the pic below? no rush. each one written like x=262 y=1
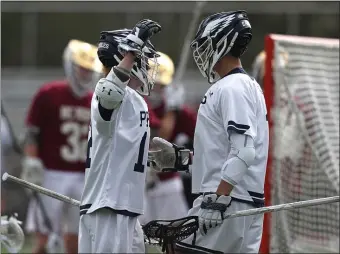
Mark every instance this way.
x=235 y=102
x=117 y=157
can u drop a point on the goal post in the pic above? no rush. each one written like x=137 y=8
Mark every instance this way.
x=301 y=87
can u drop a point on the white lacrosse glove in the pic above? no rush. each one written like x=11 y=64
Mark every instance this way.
x=168 y=157
x=110 y=95
x=139 y=36
x=211 y=213
x=12 y=235
x=32 y=170
x=174 y=97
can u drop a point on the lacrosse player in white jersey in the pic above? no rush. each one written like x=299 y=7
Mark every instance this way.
x=230 y=143
x=118 y=143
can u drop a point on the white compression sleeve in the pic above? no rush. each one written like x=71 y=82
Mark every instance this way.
x=241 y=156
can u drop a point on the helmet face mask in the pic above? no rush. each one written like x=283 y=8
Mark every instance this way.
x=145 y=67
x=202 y=54
x=165 y=69
x=145 y=70
x=217 y=36
x=82 y=67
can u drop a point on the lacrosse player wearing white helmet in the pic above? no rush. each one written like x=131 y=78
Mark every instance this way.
x=118 y=143
x=55 y=145
x=231 y=140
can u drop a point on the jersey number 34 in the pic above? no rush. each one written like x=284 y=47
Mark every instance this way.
x=139 y=166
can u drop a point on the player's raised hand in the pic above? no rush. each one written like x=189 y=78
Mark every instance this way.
x=211 y=213
x=139 y=36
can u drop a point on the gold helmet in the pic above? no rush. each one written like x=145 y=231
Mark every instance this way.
x=258 y=68
x=82 y=66
x=165 y=70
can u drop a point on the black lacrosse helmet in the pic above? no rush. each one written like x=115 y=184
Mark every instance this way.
x=110 y=56
x=218 y=35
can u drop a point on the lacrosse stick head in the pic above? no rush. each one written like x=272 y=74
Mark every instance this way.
x=12 y=236
x=166 y=232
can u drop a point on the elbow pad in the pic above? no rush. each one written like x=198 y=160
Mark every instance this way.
x=110 y=91
x=241 y=157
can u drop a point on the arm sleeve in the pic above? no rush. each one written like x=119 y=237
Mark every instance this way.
x=241 y=156
x=36 y=113
x=237 y=110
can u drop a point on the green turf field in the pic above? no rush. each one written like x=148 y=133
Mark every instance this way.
x=29 y=242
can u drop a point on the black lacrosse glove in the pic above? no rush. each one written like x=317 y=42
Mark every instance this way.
x=139 y=37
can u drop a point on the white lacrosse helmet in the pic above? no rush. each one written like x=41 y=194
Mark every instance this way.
x=82 y=66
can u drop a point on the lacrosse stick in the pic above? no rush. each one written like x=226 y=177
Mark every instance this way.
x=54 y=243
x=186 y=44
x=12 y=235
x=267 y=209
x=54 y=240
x=170 y=116
x=274 y=208
x=167 y=232
x=40 y=189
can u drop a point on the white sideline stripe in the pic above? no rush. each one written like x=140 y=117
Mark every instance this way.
x=268 y=209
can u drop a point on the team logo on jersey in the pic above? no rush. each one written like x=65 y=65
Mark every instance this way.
x=144 y=117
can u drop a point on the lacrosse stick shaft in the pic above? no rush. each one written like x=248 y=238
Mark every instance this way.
x=186 y=46
x=37 y=188
x=287 y=206
x=40 y=204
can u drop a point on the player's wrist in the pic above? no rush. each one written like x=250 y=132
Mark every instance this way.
x=224 y=188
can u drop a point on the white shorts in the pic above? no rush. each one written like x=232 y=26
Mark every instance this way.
x=236 y=235
x=104 y=231
x=60 y=213
x=165 y=201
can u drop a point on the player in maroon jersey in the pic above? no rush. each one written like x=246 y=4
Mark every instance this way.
x=167 y=188
x=55 y=146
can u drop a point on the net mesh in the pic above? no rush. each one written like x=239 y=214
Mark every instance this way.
x=305 y=145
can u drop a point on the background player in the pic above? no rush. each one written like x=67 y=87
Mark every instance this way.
x=56 y=140
x=231 y=139
x=166 y=189
x=113 y=194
